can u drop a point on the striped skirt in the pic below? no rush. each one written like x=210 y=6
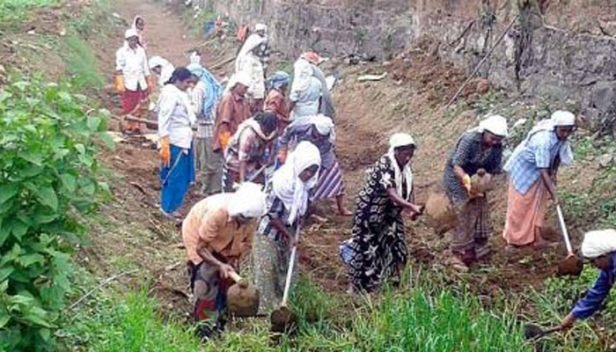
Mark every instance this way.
x=330 y=183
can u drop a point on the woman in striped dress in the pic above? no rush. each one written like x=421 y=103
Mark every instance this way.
x=319 y=130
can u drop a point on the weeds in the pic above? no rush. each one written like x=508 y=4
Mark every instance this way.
x=13 y=12
x=81 y=62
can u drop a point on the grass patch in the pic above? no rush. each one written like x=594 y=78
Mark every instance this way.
x=14 y=11
x=81 y=62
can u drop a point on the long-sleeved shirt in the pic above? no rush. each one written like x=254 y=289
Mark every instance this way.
x=133 y=63
x=205 y=126
x=232 y=110
x=209 y=222
x=175 y=116
x=595 y=296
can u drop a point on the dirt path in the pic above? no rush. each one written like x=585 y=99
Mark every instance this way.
x=165 y=34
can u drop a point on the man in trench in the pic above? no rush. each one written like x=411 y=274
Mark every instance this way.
x=217 y=232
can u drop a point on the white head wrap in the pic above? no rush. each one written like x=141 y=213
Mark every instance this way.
x=157 y=61
x=495 y=124
x=248 y=201
x=287 y=185
x=598 y=243
x=406 y=174
x=260 y=27
x=131 y=33
x=562 y=118
x=324 y=125
x=558 y=118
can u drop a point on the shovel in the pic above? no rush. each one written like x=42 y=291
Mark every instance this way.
x=535 y=332
x=282 y=319
x=572 y=265
x=242 y=298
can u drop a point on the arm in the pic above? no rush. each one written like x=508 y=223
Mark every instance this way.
x=208 y=231
x=461 y=155
x=549 y=184
x=588 y=305
x=395 y=197
x=166 y=106
x=196 y=98
x=225 y=111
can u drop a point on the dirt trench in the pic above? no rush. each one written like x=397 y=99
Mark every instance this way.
x=134 y=233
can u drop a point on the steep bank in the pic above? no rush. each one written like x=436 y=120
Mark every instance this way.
x=558 y=49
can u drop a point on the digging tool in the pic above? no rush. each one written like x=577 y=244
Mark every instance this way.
x=144 y=121
x=242 y=298
x=572 y=265
x=282 y=319
x=534 y=332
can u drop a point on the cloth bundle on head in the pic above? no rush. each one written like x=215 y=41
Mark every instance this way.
x=194 y=59
x=312 y=57
x=260 y=27
x=324 y=125
x=287 y=185
x=406 y=174
x=598 y=243
x=559 y=118
x=131 y=33
x=278 y=80
x=253 y=41
x=302 y=74
x=494 y=124
x=248 y=201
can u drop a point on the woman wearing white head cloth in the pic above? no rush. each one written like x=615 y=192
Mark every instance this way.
x=599 y=247
x=478 y=148
x=248 y=62
x=287 y=203
x=532 y=170
x=217 y=232
x=132 y=78
x=377 y=251
x=319 y=130
x=163 y=68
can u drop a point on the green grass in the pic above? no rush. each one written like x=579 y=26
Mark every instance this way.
x=81 y=62
x=14 y=11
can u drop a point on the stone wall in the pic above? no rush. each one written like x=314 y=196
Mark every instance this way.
x=562 y=49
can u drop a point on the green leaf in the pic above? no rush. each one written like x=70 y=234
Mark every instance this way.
x=69 y=182
x=4 y=317
x=19 y=229
x=47 y=196
x=5 y=273
x=106 y=138
x=7 y=192
x=5 y=231
x=35 y=159
x=41 y=218
x=94 y=123
x=80 y=148
x=30 y=259
x=21 y=300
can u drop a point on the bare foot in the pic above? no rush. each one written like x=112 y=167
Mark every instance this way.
x=345 y=212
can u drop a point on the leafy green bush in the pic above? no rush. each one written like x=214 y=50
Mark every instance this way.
x=48 y=174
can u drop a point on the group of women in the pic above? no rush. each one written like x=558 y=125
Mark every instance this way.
x=288 y=146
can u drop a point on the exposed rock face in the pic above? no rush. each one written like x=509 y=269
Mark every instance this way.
x=557 y=48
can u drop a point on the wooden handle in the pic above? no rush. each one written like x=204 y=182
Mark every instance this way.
x=563 y=229
x=235 y=277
